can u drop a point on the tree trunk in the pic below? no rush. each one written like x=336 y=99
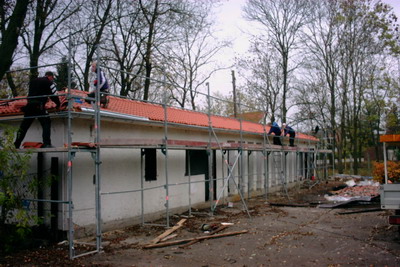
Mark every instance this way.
x=285 y=57
x=11 y=84
x=40 y=22
x=96 y=42
x=10 y=35
x=149 y=49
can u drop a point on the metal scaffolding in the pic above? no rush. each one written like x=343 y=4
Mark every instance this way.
x=309 y=161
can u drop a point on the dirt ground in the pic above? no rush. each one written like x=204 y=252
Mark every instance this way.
x=280 y=232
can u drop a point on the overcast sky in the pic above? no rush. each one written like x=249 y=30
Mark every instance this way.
x=230 y=25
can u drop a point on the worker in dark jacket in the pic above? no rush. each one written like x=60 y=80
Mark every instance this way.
x=277 y=133
x=289 y=131
x=42 y=86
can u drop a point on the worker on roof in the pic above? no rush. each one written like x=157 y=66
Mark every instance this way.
x=42 y=86
x=289 y=131
x=276 y=130
x=101 y=82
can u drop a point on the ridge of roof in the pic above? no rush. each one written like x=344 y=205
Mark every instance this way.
x=152 y=111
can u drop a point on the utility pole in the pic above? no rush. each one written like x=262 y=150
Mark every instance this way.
x=234 y=93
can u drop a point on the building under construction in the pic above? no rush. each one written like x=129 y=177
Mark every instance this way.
x=134 y=162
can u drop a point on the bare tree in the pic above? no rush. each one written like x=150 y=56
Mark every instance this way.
x=363 y=22
x=321 y=37
x=133 y=37
x=86 y=29
x=11 y=21
x=153 y=13
x=281 y=21
x=193 y=49
x=381 y=89
x=126 y=38
x=162 y=18
x=101 y=17
x=264 y=85
x=313 y=102
x=346 y=44
x=46 y=18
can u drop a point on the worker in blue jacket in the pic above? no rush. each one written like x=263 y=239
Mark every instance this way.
x=276 y=130
x=289 y=131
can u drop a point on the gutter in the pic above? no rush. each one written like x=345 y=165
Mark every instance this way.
x=116 y=114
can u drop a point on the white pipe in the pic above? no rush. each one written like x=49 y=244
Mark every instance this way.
x=116 y=114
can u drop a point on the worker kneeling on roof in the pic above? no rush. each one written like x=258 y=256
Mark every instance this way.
x=276 y=130
x=289 y=131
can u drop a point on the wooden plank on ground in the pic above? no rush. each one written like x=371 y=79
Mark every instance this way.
x=219 y=229
x=168 y=237
x=177 y=242
x=168 y=232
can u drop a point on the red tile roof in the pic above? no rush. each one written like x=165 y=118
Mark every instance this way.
x=151 y=111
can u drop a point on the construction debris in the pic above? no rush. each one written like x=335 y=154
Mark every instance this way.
x=344 y=177
x=353 y=191
x=344 y=203
x=177 y=242
x=365 y=190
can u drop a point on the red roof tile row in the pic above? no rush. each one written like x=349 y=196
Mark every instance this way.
x=151 y=111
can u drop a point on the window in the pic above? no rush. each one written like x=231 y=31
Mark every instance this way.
x=150 y=164
x=198 y=160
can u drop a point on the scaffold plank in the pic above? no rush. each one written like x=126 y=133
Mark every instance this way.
x=173 y=144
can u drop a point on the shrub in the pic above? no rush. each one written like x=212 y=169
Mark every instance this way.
x=393 y=169
x=15 y=185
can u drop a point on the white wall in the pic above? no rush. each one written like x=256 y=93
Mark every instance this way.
x=121 y=171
